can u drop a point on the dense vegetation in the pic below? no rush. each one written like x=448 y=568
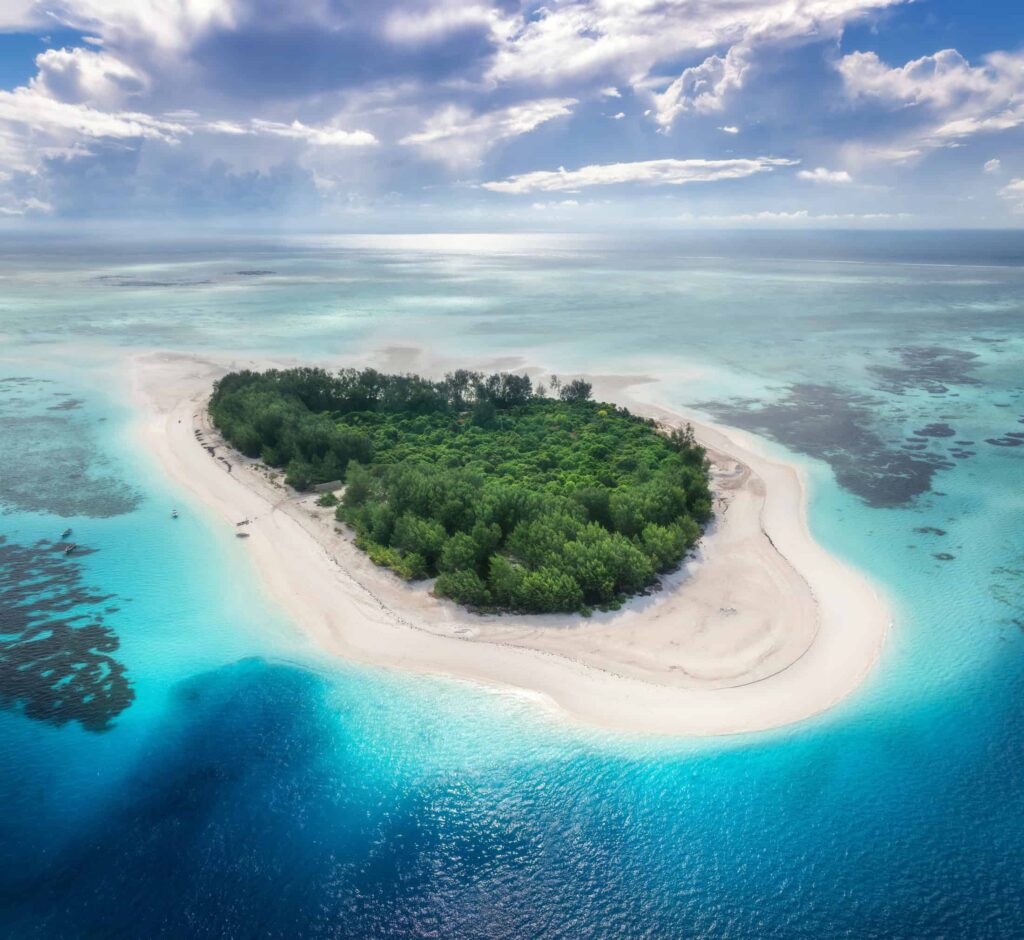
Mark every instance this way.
x=515 y=500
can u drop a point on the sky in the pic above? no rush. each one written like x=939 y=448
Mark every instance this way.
x=506 y=114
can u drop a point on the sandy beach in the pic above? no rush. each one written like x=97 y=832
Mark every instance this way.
x=761 y=628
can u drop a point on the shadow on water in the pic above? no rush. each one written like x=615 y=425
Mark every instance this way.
x=56 y=662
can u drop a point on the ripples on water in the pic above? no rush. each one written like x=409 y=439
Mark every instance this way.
x=254 y=789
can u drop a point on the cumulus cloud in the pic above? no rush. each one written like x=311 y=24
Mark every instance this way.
x=702 y=88
x=578 y=38
x=822 y=175
x=959 y=100
x=666 y=172
x=993 y=166
x=941 y=79
x=729 y=129
x=457 y=136
x=86 y=76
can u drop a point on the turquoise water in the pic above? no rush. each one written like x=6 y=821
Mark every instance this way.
x=246 y=786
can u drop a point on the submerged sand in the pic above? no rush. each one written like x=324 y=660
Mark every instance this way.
x=761 y=628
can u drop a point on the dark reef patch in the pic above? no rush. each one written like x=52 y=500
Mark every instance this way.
x=836 y=426
x=128 y=280
x=930 y=369
x=935 y=430
x=51 y=462
x=943 y=556
x=1004 y=441
x=66 y=404
x=56 y=662
x=1008 y=590
x=930 y=530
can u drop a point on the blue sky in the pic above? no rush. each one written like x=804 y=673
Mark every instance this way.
x=494 y=114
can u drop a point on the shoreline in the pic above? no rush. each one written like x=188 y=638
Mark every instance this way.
x=761 y=629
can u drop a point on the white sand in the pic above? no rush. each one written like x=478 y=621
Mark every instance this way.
x=763 y=628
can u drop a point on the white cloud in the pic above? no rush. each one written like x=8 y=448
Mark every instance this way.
x=610 y=92
x=166 y=25
x=627 y=38
x=957 y=100
x=702 y=88
x=16 y=15
x=993 y=166
x=29 y=206
x=38 y=112
x=322 y=136
x=1013 y=193
x=86 y=76
x=669 y=172
x=941 y=79
x=619 y=116
x=822 y=175
x=458 y=137
x=795 y=217
x=557 y=204
x=425 y=25
x=729 y=129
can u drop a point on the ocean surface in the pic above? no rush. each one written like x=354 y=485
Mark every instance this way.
x=176 y=760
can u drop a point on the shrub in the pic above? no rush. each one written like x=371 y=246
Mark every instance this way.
x=463 y=587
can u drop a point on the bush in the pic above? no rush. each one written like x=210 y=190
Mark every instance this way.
x=463 y=587
x=299 y=475
x=419 y=536
x=546 y=590
x=460 y=553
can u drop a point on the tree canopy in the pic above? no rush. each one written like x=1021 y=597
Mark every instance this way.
x=515 y=501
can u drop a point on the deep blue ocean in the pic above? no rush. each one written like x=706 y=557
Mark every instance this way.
x=176 y=760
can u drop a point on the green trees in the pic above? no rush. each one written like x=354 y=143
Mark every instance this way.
x=576 y=390
x=515 y=501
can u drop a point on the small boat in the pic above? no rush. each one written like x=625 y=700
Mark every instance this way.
x=70 y=548
x=174 y=513
x=65 y=533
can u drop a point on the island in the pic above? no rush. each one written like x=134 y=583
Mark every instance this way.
x=513 y=499
x=712 y=608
